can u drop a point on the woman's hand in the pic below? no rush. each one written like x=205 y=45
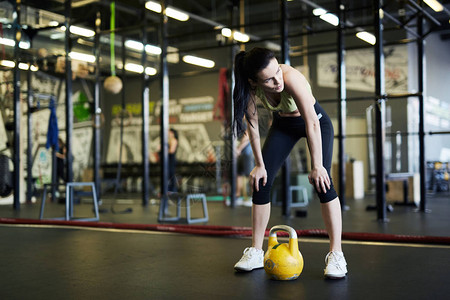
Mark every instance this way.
x=256 y=174
x=320 y=179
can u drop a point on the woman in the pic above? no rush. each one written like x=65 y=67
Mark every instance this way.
x=285 y=91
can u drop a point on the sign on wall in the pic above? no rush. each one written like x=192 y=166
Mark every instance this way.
x=360 y=69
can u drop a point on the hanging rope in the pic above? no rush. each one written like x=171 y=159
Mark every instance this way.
x=112 y=38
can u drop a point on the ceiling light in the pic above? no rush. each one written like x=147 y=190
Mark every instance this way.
x=241 y=37
x=150 y=71
x=12 y=43
x=82 y=57
x=330 y=18
x=435 y=5
x=53 y=23
x=170 y=12
x=79 y=31
x=7 y=63
x=176 y=14
x=135 y=45
x=33 y=68
x=319 y=11
x=153 y=49
x=7 y=42
x=202 y=62
x=367 y=37
x=226 y=32
x=153 y=6
x=134 y=68
x=23 y=66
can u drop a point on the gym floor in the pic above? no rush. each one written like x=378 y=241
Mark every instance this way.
x=43 y=261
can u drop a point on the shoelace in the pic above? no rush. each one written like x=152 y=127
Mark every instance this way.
x=333 y=259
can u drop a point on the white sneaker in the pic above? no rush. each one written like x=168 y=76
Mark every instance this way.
x=252 y=259
x=336 y=266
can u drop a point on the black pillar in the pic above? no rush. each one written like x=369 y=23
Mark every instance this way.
x=145 y=115
x=69 y=104
x=421 y=87
x=97 y=109
x=342 y=108
x=379 y=113
x=285 y=170
x=29 y=135
x=164 y=125
x=17 y=110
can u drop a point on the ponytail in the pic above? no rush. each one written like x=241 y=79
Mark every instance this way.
x=246 y=66
x=240 y=93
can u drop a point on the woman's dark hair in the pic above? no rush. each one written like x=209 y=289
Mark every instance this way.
x=246 y=66
x=175 y=133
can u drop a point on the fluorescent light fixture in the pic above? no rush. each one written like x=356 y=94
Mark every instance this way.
x=176 y=14
x=139 y=69
x=226 y=32
x=202 y=62
x=53 y=23
x=79 y=31
x=134 y=68
x=435 y=5
x=33 y=68
x=7 y=42
x=23 y=66
x=139 y=46
x=12 y=43
x=170 y=12
x=241 y=37
x=153 y=6
x=319 y=11
x=7 y=63
x=330 y=18
x=82 y=57
x=367 y=37
x=153 y=49
x=134 y=45
x=150 y=71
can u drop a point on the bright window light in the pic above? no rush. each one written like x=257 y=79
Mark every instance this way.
x=202 y=62
x=435 y=5
x=150 y=71
x=367 y=37
x=241 y=37
x=319 y=11
x=7 y=63
x=82 y=57
x=226 y=32
x=134 y=68
x=330 y=18
x=170 y=12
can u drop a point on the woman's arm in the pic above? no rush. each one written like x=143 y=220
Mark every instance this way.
x=259 y=172
x=297 y=86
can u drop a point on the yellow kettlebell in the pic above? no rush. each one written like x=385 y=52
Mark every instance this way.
x=283 y=261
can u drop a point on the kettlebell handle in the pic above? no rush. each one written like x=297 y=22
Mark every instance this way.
x=290 y=230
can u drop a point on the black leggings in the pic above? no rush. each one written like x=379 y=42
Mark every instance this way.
x=284 y=133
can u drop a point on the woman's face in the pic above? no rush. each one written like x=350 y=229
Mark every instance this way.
x=270 y=79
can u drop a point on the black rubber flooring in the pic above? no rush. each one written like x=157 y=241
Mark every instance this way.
x=74 y=263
